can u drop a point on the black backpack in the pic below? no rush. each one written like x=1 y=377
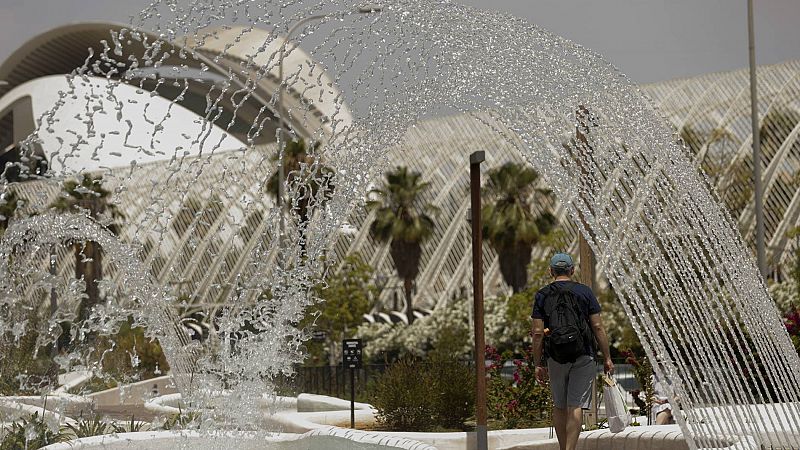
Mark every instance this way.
x=569 y=329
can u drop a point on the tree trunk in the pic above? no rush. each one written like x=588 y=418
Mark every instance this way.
x=89 y=267
x=514 y=263
x=407 y=284
x=406 y=256
x=80 y=274
x=333 y=355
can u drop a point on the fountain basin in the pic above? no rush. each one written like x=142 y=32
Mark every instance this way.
x=135 y=393
x=16 y=408
x=320 y=439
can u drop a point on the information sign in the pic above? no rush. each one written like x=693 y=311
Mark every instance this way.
x=351 y=356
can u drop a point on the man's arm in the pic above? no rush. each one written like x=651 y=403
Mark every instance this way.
x=537 y=331
x=538 y=340
x=602 y=341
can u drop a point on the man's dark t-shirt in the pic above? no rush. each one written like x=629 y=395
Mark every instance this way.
x=586 y=301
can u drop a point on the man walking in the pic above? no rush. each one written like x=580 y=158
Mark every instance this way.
x=567 y=315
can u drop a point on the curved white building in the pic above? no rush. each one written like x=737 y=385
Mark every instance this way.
x=115 y=140
x=191 y=69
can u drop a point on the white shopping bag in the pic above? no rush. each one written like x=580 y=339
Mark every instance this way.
x=616 y=409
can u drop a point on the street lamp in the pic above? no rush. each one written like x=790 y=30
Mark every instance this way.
x=475 y=160
x=758 y=188
x=366 y=9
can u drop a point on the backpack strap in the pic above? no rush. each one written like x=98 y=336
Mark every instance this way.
x=554 y=290
x=554 y=287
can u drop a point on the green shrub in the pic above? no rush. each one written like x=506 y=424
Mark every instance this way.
x=402 y=396
x=453 y=399
x=93 y=426
x=116 y=352
x=20 y=372
x=30 y=433
x=417 y=395
x=452 y=381
x=182 y=421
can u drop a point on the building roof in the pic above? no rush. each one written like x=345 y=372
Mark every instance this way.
x=63 y=49
x=99 y=139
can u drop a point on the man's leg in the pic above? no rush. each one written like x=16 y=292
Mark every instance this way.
x=574 y=416
x=560 y=424
x=559 y=377
x=579 y=394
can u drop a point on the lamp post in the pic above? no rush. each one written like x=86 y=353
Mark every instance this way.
x=280 y=131
x=758 y=189
x=583 y=128
x=475 y=161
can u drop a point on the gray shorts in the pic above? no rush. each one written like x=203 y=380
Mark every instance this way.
x=571 y=383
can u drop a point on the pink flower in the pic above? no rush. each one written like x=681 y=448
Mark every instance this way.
x=792 y=322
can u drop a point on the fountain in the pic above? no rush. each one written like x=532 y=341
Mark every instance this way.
x=671 y=252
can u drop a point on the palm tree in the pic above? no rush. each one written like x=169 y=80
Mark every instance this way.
x=402 y=219
x=90 y=198
x=295 y=157
x=705 y=148
x=509 y=223
x=8 y=207
x=776 y=126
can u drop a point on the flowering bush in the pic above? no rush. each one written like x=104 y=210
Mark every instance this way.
x=387 y=342
x=521 y=402
x=785 y=296
x=792 y=322
x=643 y=371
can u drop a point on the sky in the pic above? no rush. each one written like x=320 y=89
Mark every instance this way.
x=649 y=40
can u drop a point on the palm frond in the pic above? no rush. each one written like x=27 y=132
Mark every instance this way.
x=88 y=196
x=509 y=222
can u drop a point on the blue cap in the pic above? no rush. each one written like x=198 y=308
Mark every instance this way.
x=561 y=261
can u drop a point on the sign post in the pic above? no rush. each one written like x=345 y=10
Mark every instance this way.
x=351 y=358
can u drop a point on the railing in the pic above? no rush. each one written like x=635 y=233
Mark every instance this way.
x=335 y=380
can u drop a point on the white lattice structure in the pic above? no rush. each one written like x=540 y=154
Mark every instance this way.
x=713 y=114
